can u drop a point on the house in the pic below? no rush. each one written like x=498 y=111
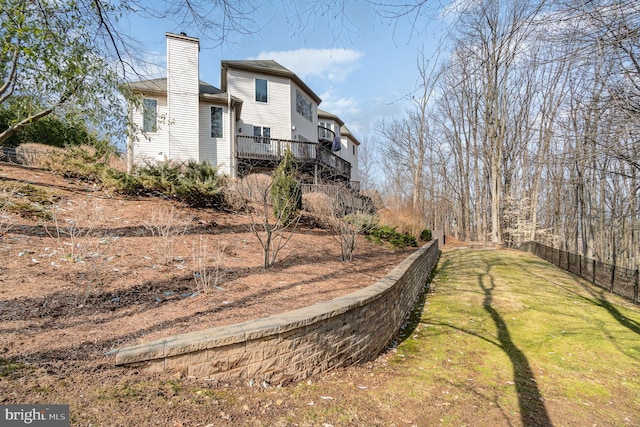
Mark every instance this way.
x=331 y=128
x=260 y=110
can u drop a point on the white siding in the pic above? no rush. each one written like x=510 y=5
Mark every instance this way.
x=304 y=127
x=346 y=152
x=275 y=113
x=153 y=146
x=183 y=97
x=216 y=151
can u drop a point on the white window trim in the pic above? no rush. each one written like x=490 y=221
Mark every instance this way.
x=307 y=102
x=262 y=138
x=143 y=115
x=211 y=122
x=255 y=84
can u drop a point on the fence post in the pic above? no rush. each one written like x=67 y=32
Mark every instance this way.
x=635 y=288
x=613 y=276
x=580 y=265
x=593 y=279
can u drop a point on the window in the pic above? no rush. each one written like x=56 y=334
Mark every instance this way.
x=326 y=131
x=149 y=115
x=261 y=90
x=216 y=122
x=262 y=134
x=303 y=105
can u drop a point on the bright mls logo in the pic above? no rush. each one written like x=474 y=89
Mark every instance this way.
x=35 y=415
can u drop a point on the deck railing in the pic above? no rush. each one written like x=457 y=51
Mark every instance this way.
x=264 y=148
x=258 y=147
x=325 y=134
x=327 y=158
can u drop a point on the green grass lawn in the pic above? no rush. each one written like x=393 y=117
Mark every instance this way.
x=505 y=339
x=516 y=341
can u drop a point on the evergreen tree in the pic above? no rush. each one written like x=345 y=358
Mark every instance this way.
x=286 y=194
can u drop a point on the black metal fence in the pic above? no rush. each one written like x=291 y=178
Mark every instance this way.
x=8 y=154
x=617 y=280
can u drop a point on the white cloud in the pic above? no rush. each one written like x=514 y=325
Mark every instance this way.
x=340 y=106
x=344 y=107
x=331 y=64
x=361 y=115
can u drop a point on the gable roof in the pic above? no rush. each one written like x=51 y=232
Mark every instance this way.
x=269 y=67
x=326 y=115
x=205 y=90
x=344 y=131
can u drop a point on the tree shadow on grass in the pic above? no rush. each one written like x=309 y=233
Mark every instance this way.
x=532 y=409
x=598 y=298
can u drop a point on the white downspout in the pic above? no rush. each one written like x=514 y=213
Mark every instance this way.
x=232 y=139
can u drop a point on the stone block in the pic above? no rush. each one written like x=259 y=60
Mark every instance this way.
x=176 y=366
x=208 y=368
x=141 y=353
x=239 y=360
x=227 y=375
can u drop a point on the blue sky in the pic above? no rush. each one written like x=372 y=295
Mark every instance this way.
x=361 y=65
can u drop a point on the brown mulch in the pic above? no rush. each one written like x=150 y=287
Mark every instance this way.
x=124 y=287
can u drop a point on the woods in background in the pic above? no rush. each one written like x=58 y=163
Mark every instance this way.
x=526 y=127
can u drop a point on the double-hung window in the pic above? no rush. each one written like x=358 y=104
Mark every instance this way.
x=216 y=122
x=149 y=115
x=262 y=90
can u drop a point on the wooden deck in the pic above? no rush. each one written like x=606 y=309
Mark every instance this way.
x=263 y=150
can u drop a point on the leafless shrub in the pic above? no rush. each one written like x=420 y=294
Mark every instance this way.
x=404 y=220
x=339 y=213
x=253 y=187
x=318 y=205
x=207 y=261
x=91 y=278
x=73 y=228
x=36 y=155
x=167 y=225
x=6 y=195
x=118 y=162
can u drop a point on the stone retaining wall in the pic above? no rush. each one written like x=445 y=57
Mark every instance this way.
x=294 y=345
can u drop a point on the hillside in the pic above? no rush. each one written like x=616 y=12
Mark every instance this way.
x=83 y=272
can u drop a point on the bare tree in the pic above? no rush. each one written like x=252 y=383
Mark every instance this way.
x=368 y=164
x=273 y=228
x=349 y=216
